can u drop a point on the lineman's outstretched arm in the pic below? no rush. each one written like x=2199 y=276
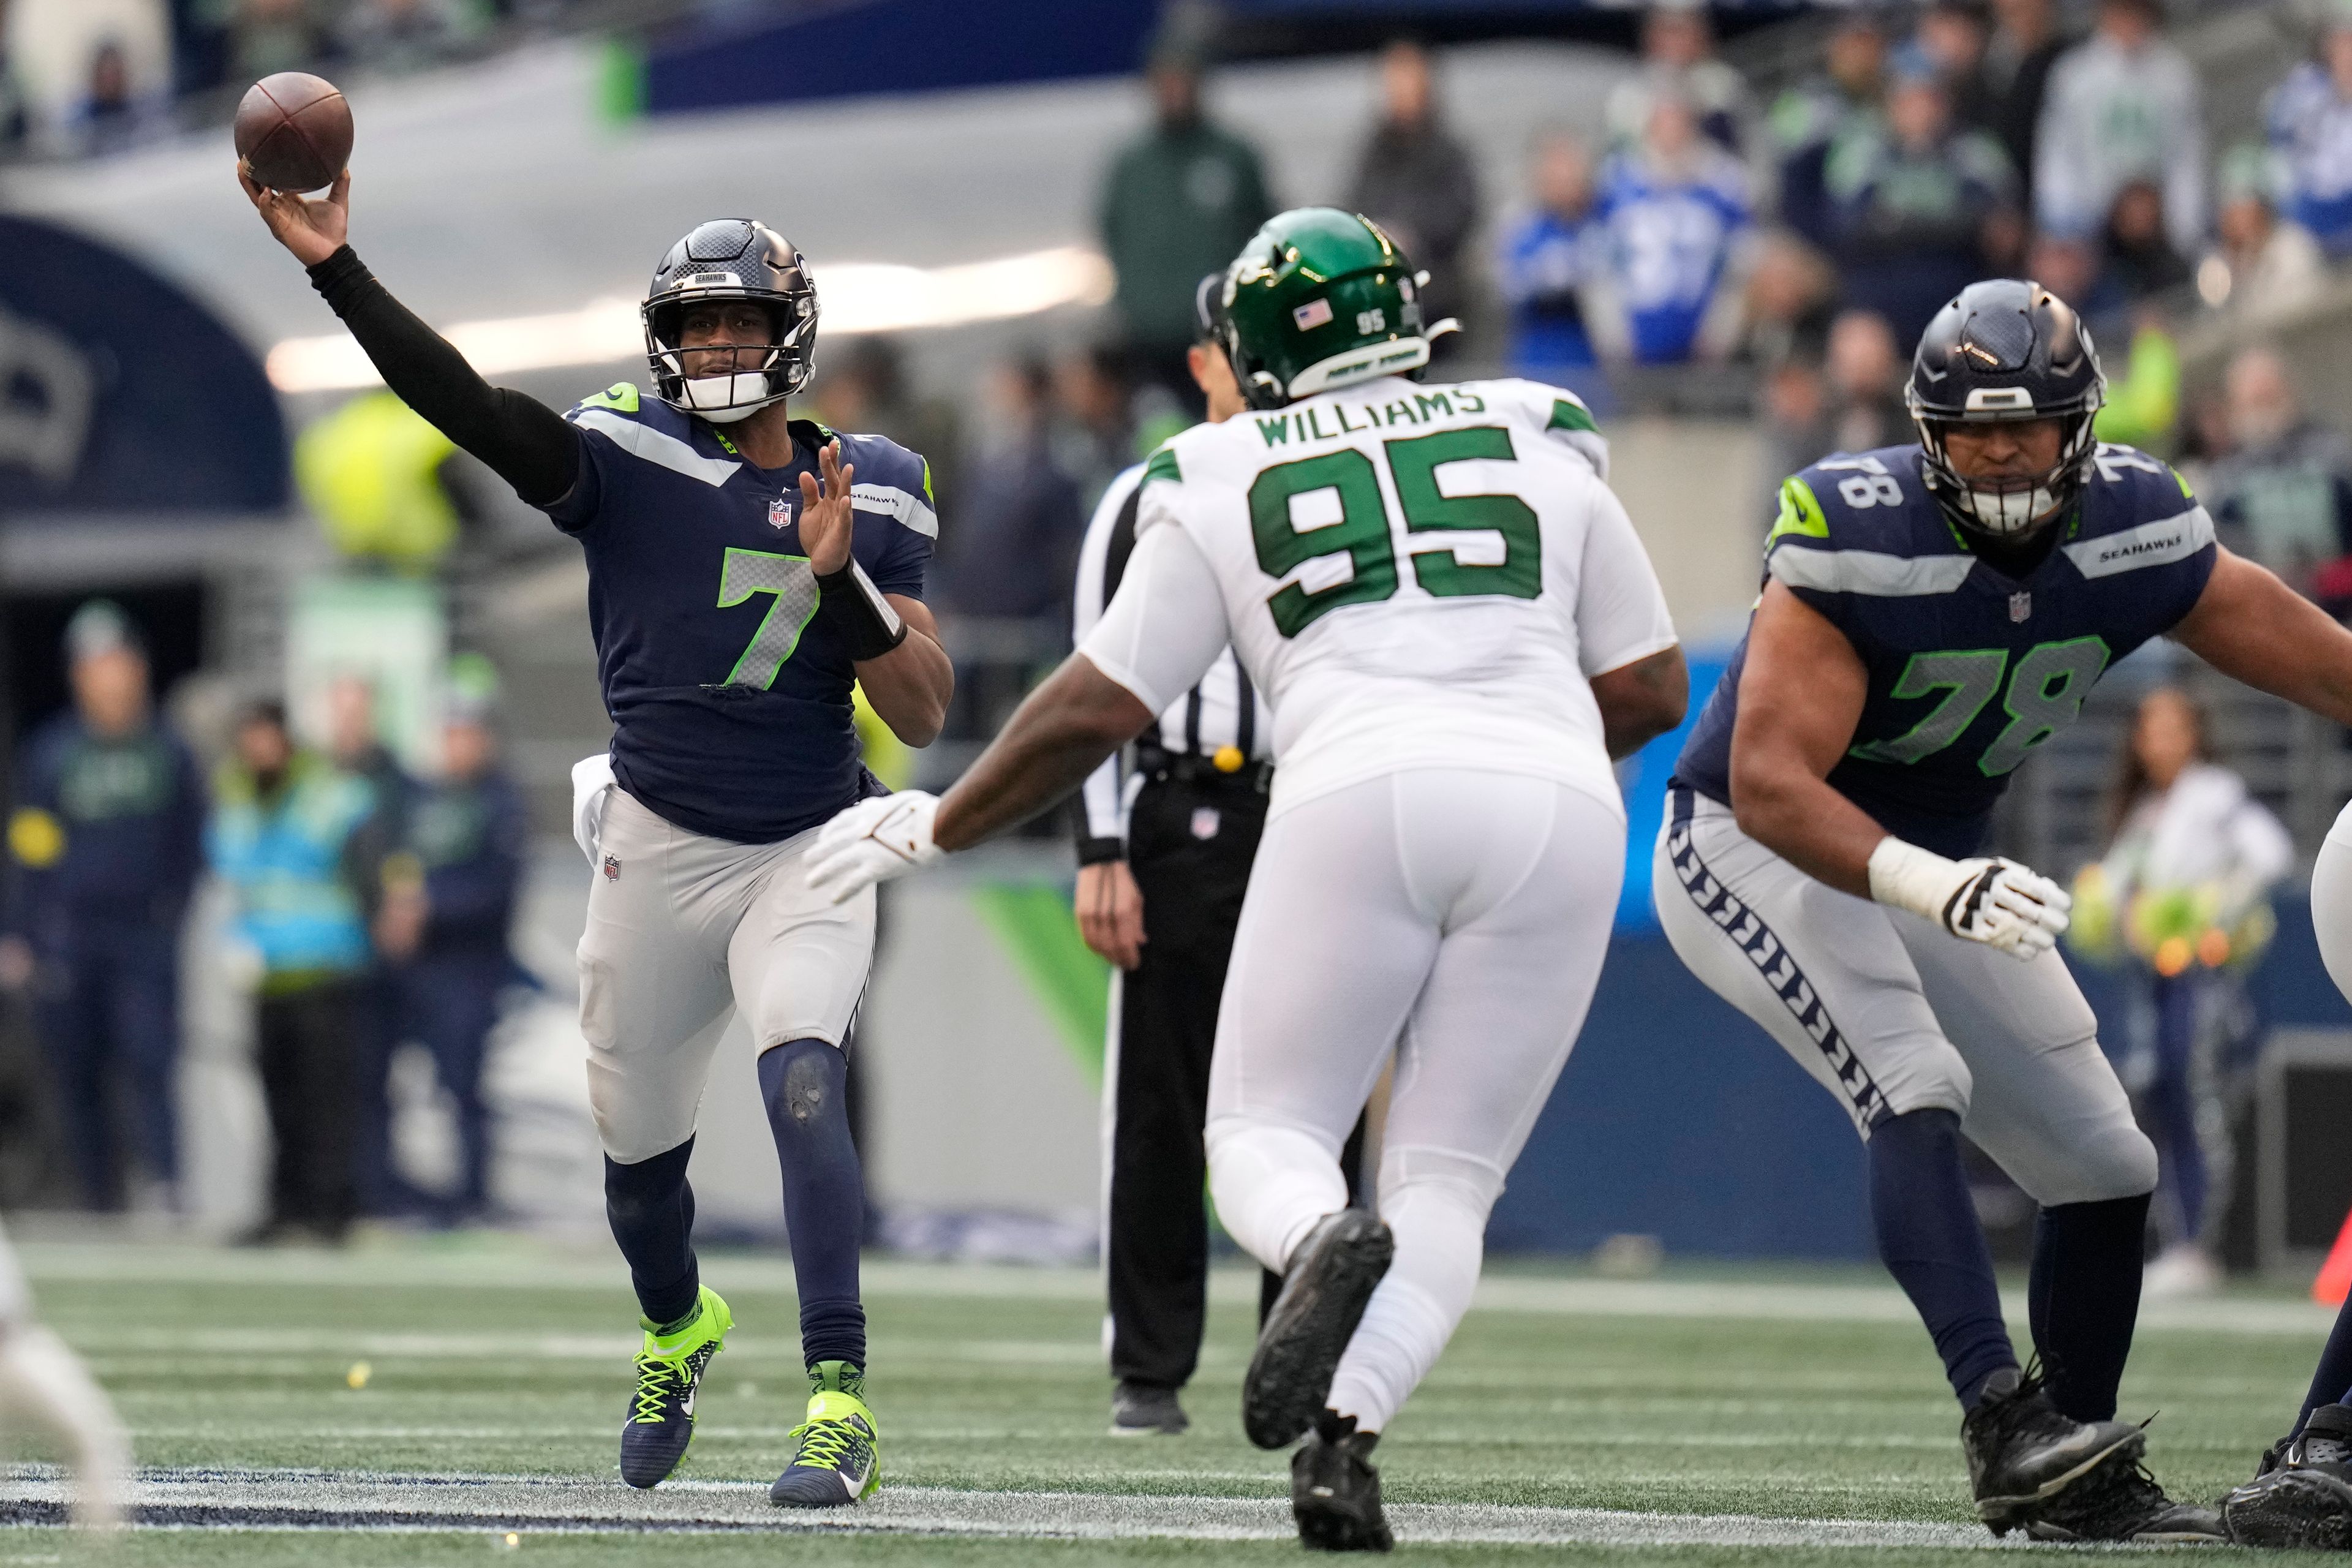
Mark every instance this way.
x=2253 y=627
x=521 y=440
x=1164 y=628
x=1161 y=635
x=1800 y=697
x=1059 y=735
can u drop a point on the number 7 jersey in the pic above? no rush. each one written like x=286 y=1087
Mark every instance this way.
x=1415 y=575
x=1969 y=669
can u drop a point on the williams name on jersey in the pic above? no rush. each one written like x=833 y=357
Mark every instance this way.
x=1969 y=669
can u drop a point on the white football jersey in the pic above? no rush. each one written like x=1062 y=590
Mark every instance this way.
x=1413 y=575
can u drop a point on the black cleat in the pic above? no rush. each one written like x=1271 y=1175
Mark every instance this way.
x=2024 y=1453
x=2123 y=1503
x=2302 y=1495
x=1331 y=1280
x=1335 y=1493
x=1145 y=1410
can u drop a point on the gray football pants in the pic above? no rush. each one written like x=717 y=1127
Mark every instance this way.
x=1892 y=1013
x=683 y=930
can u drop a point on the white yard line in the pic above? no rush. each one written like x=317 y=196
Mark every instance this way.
x=363 y=1501
x=529 y=1266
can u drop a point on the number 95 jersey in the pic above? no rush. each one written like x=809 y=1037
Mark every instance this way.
x=1415 y=575
x=1969 y=669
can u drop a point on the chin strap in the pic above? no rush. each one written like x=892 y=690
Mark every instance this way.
x=853 y=607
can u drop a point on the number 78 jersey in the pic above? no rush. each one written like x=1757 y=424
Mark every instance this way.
x=1414 y=577
x=1969 y=669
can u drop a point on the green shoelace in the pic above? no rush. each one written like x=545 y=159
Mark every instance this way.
x=824 y=1444
x=653 y=1373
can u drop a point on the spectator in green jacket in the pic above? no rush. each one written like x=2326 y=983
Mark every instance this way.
x=1180 y=201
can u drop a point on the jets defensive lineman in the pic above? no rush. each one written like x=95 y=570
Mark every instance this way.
x=745 y=569
x=1456 y=629
x=1931 y=614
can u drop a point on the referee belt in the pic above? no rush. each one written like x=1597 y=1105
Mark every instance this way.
x=1162 y=765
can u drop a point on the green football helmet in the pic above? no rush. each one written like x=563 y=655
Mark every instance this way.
x=1320 y=299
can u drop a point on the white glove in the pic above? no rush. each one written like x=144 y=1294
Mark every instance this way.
x=1986 y=900
x=873 y=841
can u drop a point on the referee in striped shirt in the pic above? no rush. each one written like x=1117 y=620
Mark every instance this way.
x=1166 y=834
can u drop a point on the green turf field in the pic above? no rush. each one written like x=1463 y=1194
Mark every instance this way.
x=1730 y=1417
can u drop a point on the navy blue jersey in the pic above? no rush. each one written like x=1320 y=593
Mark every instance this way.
x=729 y=699
x=1969 y=669
x=107 y=828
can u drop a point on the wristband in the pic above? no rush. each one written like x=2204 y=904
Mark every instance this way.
x=1101 y=851
x=1910 y=878
x=855 y=607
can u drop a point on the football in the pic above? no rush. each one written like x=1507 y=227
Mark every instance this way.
x=294 y=131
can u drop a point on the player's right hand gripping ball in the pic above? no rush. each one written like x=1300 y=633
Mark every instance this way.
x=294 y=131
x=872 y=842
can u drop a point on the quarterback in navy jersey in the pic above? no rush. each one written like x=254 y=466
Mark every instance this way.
x=746 y=570
x=1931 y=614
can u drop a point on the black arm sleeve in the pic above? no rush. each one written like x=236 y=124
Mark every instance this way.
x=522 y=440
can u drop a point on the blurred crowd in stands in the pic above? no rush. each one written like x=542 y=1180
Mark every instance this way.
x=87 y=78
x=1708 y=252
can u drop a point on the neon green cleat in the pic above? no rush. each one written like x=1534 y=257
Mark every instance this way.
x=660 y=1422
x=839 y=1460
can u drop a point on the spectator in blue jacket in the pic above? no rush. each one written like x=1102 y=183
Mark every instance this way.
x=282 y=838
x=1551 y=253
x=2310 y=116
x=449 y=898
x=106 y=844
x=1674 y=209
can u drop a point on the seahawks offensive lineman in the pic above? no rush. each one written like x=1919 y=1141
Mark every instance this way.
x=1456 y=629
x=1932 y=614
x=745 y=568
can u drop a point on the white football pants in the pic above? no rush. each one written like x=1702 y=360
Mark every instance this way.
x=1460 y=917
x=1892 y=1013
x=2331 y=901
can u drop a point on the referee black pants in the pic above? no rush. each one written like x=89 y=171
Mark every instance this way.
x=1190 y=844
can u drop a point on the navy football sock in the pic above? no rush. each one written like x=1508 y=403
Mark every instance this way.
x=651 y=1208
x=804 y=1084
x=2083 y=1300
x=2331 y=1383
x=1929 y=1238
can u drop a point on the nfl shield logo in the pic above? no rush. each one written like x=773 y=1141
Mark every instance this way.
x=2020 y=605
x=780 y=512
x=612 y=867
x=1205 y=822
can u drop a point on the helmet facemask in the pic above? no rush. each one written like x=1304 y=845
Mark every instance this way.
x=760 y=374
x=2009 y=506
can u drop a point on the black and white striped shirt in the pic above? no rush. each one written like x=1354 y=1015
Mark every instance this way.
x=1222 y=714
